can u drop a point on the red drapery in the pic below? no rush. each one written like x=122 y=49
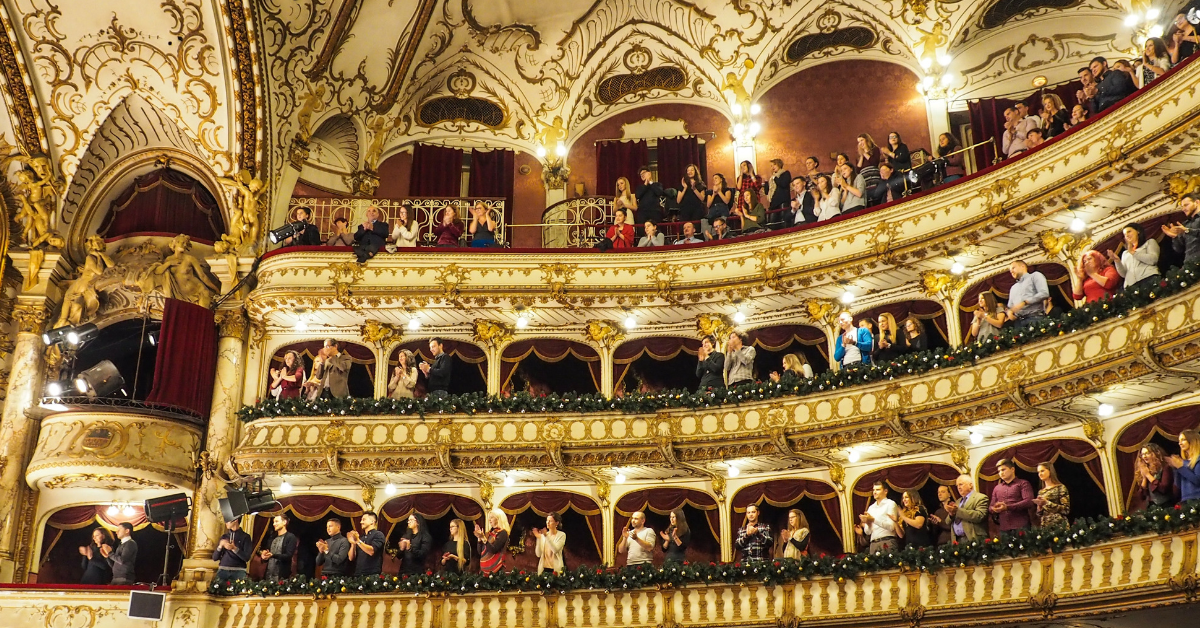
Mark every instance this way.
x=901 y=478
x=165 y=201
x=674 y=156
x=1129 y=444
x=1028 y=455
x=987 y=116
x=663 y=501
x=619 y=159
x=780 y=337
x=660 y=349
x=548 y=350
x=558 y=502
x=493 y=175
x=187 y=358
x=1000 y=284
x=456 y=349
x=76 y=517
x=926 y=311
x=430 y=506
x=784 y=494
x=436 y=171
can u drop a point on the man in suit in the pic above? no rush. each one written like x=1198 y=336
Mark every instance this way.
x=739 y=360
x=649 y=194
x=711 y=367
x=438 y=373
x=124 y=558
x=969 y=515
x=233 y=552
x=334 y=553
x=337 y=371
x=779 y=186
x=371 y=235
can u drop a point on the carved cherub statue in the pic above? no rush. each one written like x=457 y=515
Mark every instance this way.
x=38 y=191
x=310 y=103
x=551 y=135
x=180 y=276
x=931 y=40
x=244 y=221
x=81 y=301
x=735 y=85
x=381 y=127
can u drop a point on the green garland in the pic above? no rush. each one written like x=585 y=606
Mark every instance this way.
x=1034 y=542
x=1074 y=320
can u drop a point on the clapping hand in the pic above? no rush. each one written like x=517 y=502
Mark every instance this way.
x=775 y=376
x=999 y=507
x=322 y=546
x=425 y=370
x=405 y=544
x=866 y=518
x=352 y=536
x=751 y=529
x=951 y=508
x=478 y=529
x=265 y=554
x=1174 y=230
x=227 y=545
x=105 y=550
x=86 y=550
x=935 y=519
x=665 y=536
x=1040 y=501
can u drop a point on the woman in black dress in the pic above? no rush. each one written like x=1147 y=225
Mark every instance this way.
x=96 y=569
x=692 y=195
x=415 y=545
x=914 y=335
x=676 y=538
x=914 y=516
x=456 y=553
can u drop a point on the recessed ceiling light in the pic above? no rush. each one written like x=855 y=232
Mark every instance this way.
x=853 y=455
x=1105 y=410
x=414 y=324
x=630 y=322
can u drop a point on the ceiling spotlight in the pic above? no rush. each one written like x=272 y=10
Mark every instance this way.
x=1132 y=20
x=619 y=478
x=1105 y=410
x=522 y=322
x=390 y=489
x=82 y=334
x=1039 y=81
x=414 y=324
x=301 y=326
x=1077 y=225
x=58 y=334
x=630 y=321
x=739 y=317
x=733 y=471
x=509 y=480
x=853 y=456
x=958 y=268
x=286 y=487
x=976 y=437
x=56 y=389
x=101 y=380
x=847 y=298
x=153 y=338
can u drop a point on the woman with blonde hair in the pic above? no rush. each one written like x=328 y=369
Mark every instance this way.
x=887 y=348
x=1055 y=116
x=796 y=364
x=1053 y=501
x=494 y=542
x=456 y=553
x=1186 y=472
x=624 y=199
x=796 y=536
x=404 y=377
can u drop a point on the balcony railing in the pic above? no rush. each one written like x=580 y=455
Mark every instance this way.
x=424 y=213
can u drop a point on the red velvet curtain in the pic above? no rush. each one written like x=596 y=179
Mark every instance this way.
x=926 y=311
x=548 y=350
x=902 y=478
x=780 y=337
x=663 y=501
x=492 y=175
x=660 y=349
x=165 y=201
x=430 y=506
x=545 y=502
x=674 y=156
x=456 y=349
x=1028 y=455
x=619 y=159
x=1129 y=444
x=436 y=171
x=1000 y=284
x=77 y=517
x=187 y=358
x=987 y=116
x=784 y=494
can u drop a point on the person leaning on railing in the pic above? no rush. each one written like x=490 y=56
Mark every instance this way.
x=449 y=230
x=482 y=226
x=1138 y=263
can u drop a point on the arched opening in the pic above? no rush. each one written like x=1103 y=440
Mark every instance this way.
x=1163 y=429
x=361 y=378
x=166 y=202
x=129 y=346
x=772 y=343
x=1057 y=280
x=308 y=514
x=542 y=366
x=438 y=509
x=468 y=362
x=921 y=477
x=817 y=500
x=654 y=364
x=1076 y=462
x=1167 y=256
x=930 y=313
x=582 y=521
x=71 y=528
x=700 y=508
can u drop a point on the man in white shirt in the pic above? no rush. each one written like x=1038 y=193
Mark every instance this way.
x=1016 y=129
x=880 y=521
x=638 y=541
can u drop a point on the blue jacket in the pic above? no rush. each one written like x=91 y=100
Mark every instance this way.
x=864 y=342
x=1189 y=481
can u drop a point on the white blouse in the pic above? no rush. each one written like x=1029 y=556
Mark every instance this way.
x=829 y=207
x=405 y=239
x=550 y=550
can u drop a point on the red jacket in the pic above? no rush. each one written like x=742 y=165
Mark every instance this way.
x=625 y=238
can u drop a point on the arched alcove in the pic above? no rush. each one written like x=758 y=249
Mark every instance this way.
x=468 y=361
x=922 y=477
x=772 y=343
x=931 y=314
x=168 y=202
x=68 y=529
x=1057 y=280
x=1076 y=462
x=548 y=365
x=653 y=364
x=361 y=378
x=308 y=514
x=703 y=517
x=1167 y=257
x=817 y=500
x=1162 y=428
x=582 y=521
x=438 y=509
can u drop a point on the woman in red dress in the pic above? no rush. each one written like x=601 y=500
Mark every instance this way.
x=289 y=378
x=493 y=543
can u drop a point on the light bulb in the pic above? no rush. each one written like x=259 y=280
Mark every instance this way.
x=947 y=79
x=522 y=322
x=509 y=480
x=414 y=324
x=739 y=128
x=734 y=471
x=847 y=297
x=127 y=511
x=286 y=487
x=1105 y=410
x=926 y=62
x=1152 y=14
x=301 y=326
x=976 y=438
x=1156 y=30
x=853 y=456
x=1078 y=225
x=54 y=389
x=943 y=59
x=737 y=109
x=739 y=317
x=630 y=322
x=1132 y=20
x=927 y=82
x=112 y=510
x=620 y=478
x=561 y=149
x=541 y=152
x=755 y=128
x=755 y=109
x=390 y=489
x=920 y=88
x=958 y=268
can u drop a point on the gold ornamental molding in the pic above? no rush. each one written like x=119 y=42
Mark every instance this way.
x=492 y=333
x=31 y=135
x=249 y=111
x=604 y=333
x=232 y=323
x=30 y=319
x=380 y=334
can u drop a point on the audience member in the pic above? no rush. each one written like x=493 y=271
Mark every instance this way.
x=947 y=149
x=456 y=553
x=310 y=234
x=828 y=198
x=415 y=544
x=755 y=219
x=449 y=229
x=341 y=235
x=754 y=538
x=739 y=359
x=869 y=157
x=1012 y=498
x=1185 y=236
x=1112 y=86
x=371 y=235
x=649 y=199
x=916 y=530
x=1086 y=95
x=889 y=346
x=711 y=365
x=853 y=188
x=366 y=549
x=941 y=518
x=652 y=238
x=1056 y=116
x=989 y=317
x=438 y=373
x=884 y=191
x=1033 y=139
x=123 y=557
x=1026 y=296
x=1053 y=501
x=620 y=234
x=1187 y=473
x=625 y=200
x=550 y=544
x=637 y=541
x=1079 y=115
x=797 y=365
x=1138 y=264
x=692 y=195
x=233 y=552
x=1181 y=39
x=286 y=381
x=720 y=195
x=1096 y=278
x=482 y=227
x=1155 y=479
x=778 y=187
x=333 y=553
x=313 y=387
x=879 y=523
x=796 y=537
x=404 y=376
x=1122 y=65
x=493 y=543
x=1155 y=61
x=1016 y=130
x=336 y=381
x=897 y=153
x=720 y=230
x=869 y=325
x=96 y=568
x=854 y=343
x=279 y=553
x=689 y=234
x=801 y=207
x=404 y=234
x=1052 y=309
x=676 y=538
x=914 y=335
x=747 y=181
x=969 y=514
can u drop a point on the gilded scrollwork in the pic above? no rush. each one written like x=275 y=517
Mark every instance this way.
x=604 y=333
x=379 y=334
x=492 y=333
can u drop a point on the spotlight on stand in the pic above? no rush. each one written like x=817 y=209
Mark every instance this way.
x=241 y=502
x=168 y=510
x=56 y=389
x=290 y=230
x=82 y=334
x=56 y=335
x=101 y=380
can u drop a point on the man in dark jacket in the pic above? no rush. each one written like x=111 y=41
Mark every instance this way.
x=366 y=550
x=233 y=552
x=334 y=552
x=279 y=556
x=438 y=373
x=371 y=235
x=779 y=186
x=649 y=194
x=1111 y=85
x=1185 y=236
x=124 y=558
x=310 y=234
x=711 y=367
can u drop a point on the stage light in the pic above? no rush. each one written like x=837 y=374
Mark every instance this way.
x=958 y=268
x=79 y=335
x=290 y=230
x=1105 y=410
x=847 y=298
x=168 y=508
x=976 y=437
x=390 y=489
x=239 y=502
x=755 y=109
x=101 y=380
x=414 y=324
x=853 y=456
x=56 y=389
x=1077 y=225
x=56 y=335
x=630 y=322
x=153 y=338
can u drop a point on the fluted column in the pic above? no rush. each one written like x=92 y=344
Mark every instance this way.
x=17 y=431
x=954 y=331
x=727 y=531
x=848 y=518
x=606 y=371
x=493 y=368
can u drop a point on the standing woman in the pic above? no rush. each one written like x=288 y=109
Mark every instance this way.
x=96 y=569
x=1155 y=61
x=1057 y=116
x=404 y=377
x=625 y=200
x=1155 y=478
x=853 y=188
x=404 y=235
x=914 y=335
x=889 y=347
x=482 y=227
x=955 y=166
x=989 y=317
x=719 y=197
x=456 y=553
x=290 y=378
x=1187 y=474
x=747 y=181
x=494 y=542
x=914 y=515
x=676 y=539
x=691 y=196
x=868 y=159
x=415 y=545
x=897 y=152
x=829 y=199
x=1096 y=277
x=1053 y=501
x=315 y=381
x=795 y=538
x=1139 y=262
x=449 y=230
x=550 y=544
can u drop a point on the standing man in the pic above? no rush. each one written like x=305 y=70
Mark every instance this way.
x=1012 y=498
x=1016 y=129
x=779 y=186
x=283 y=547
x=337 y=371
x=968 y=515
x=366 y=550
x=334 y=552
x=1086 y=95
x=649 y=194
x=711 y=367
x=880 y=521
x=371 y=235
x=439 y=373
x=1111 y=86
x=739 y=360
x=754 y=539
x=1025 y=298
x=637 y=541
x=1185 y=236
x=853 y=344
x=309 y=234
x=124 y=558
x=233 y=552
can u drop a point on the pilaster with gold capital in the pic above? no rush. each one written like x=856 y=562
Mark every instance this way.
x=948 y=289
x=18 y=432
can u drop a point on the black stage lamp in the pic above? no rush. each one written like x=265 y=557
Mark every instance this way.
x=56 y=335
x=168 y=508
x=242 y=502
x=279 y=234
x=82 y=334
x=101 y=380
x=57 y=388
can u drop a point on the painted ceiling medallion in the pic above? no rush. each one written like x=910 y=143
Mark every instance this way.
x=638 y=59
x=461 y=83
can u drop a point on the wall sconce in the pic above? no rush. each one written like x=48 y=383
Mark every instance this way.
x=1144 y=26
x=745 y=128
x=938 y=77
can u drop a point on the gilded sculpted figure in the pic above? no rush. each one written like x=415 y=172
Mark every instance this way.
x=381 y=128
x=81 y=301
x=243 y=223
x=931 y=40
x=312 y=102
x=735 y=85
x=38 y=191
x=551 y=135
x=180 y=276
